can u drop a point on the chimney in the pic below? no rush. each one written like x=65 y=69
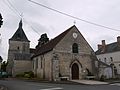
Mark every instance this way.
x=118 y=39
x=103 y=46
x=99 y=46
x=103 y=43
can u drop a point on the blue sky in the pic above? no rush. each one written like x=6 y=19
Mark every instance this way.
x=42 y=20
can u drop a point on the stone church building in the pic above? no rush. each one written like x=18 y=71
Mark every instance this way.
x=68 y=55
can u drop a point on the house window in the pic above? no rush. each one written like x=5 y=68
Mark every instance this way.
x=75 y=48
x=18 y=48
x=111 y=59
x=119 y=65
x=105 y=60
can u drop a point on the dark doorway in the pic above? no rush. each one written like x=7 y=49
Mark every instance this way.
x=75 y=71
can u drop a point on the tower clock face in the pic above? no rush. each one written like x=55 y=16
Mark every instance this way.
x=75 y=35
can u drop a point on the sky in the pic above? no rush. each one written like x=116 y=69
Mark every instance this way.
x=38 y=20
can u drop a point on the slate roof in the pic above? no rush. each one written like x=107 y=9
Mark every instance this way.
x=52 y=43
x=113 y=47
x=19 y=34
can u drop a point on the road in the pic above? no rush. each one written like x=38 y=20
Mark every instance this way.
x=23 y=85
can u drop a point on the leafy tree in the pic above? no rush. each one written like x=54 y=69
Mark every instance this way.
x=43 y=39
x=4 y=65
x=1 y=59
x=1 y=22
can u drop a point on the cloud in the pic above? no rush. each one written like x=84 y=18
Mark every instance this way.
x=104 y=12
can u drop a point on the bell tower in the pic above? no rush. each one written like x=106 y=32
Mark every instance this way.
x=19 y=47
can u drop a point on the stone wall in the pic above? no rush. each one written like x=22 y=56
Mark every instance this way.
x=44 y=71
x=66 y=56
x=21 y=66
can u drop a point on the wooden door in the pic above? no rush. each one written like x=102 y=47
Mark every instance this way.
x=75 y=71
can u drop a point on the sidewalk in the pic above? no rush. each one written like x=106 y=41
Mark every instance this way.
x=90 y=82
x=82 y=82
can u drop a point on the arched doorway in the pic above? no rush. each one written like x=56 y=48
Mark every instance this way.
x=75 y=71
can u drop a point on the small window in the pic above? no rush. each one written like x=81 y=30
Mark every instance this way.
x=75 y=48
x=119 y=65
x=105 y=60
x=36 y=63
x=41 y=62
x=111 y=59
x=18 y=48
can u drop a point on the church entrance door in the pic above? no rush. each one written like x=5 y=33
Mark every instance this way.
x=75 y=71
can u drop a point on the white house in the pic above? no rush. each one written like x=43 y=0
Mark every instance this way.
x=110 y=54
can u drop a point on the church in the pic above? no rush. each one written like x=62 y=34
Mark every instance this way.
x=68 y=55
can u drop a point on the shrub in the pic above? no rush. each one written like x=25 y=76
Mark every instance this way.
x=29 y=74
x=102 y=78
x=20 y=75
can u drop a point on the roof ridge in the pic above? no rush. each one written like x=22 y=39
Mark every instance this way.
x=112 y=47
x=111 y=43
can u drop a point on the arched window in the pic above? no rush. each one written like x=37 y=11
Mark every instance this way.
x=75 y=48
x=18 y=48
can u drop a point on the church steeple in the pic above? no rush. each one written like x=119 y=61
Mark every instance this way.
x=20 y=23
x=19 y=34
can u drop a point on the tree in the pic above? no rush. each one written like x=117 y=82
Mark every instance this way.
x=43 y=39
x=3 y=66
x=1 y=22
x=1 y=59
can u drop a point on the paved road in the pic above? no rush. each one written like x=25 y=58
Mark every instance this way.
x=22 y=85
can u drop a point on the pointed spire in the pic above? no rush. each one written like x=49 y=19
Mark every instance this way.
x=20 y=23
x=19 y=34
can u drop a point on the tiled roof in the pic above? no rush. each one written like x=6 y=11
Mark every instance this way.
x=19 y=34
x=32 y=50
x=113 y=47
x=52 y=43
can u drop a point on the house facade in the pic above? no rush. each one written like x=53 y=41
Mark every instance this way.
x=19 y=56
x=110 y=54
x=67 y=55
